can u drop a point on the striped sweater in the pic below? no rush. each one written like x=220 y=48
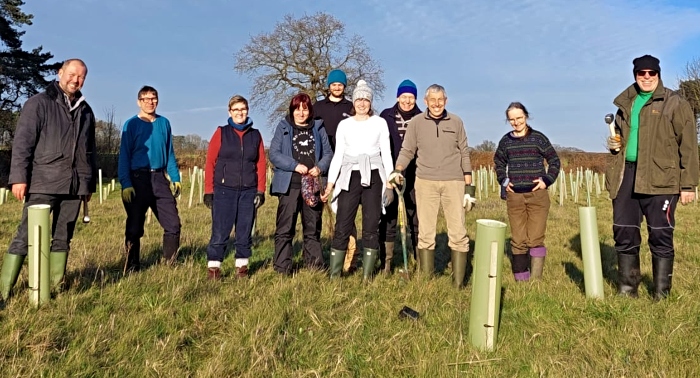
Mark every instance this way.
x=521 y=159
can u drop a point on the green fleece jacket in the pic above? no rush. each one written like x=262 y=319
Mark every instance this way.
x=441 y=148
x=667 y=149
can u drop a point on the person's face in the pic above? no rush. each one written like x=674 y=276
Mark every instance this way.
x=72 y=77
x=647 y=80
x=301 y=115
x=436 y=101
x=362 y=106
x=148 y=102
x=407 y=101
x=336 y=89
x=517 y=119
x=238 y=113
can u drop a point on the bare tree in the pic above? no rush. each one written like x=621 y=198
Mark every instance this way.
x=107 y=133
x=298 y=55
x=689 y=87
x=486 y=146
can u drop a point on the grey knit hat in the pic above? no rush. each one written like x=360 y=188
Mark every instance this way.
x=362 y=90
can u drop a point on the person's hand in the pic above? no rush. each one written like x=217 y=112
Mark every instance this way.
x=395 y=178
x=469 y=197
x=259 y=199
x=128 y=194
x=687 y=197
x=327 y=193
x=301 y=169
x=540 y=184
x=388 y=196
x=209 y=200
x=315 y=171
x=176 y=188
x=509 y=187
x=614 y=143
x=19 y=191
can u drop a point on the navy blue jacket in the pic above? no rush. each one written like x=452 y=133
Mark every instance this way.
x=281 y=154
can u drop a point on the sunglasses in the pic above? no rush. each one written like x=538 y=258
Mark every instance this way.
x=643 y=73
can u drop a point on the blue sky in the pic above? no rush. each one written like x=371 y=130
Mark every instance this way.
x=564 y=59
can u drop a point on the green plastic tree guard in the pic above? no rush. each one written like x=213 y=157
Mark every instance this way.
x=590 y=253
x=486 y=285
x=39 y=240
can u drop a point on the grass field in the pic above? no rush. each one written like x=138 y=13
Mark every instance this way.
x=173 y=322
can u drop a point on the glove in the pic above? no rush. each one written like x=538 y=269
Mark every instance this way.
x=259 y=199
x=176 y=188
x=388 y=196
x=128 y=194
x=614 y=143
x=395 y=177
x=209 y=200
x=469 y=194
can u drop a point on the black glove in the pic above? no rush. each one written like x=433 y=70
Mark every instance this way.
x=388 y=196
x=209 y=200
x=259 y=199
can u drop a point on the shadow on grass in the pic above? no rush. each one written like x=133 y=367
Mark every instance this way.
x=92 y=274
x=608 y=259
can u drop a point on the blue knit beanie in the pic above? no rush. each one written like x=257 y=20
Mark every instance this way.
x=407 y=86
x=337 y=76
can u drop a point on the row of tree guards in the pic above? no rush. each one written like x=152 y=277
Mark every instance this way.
x=567 y=184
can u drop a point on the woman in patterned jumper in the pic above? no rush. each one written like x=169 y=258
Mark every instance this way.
x=300 y=152
x=358 y=175
x=520 y=168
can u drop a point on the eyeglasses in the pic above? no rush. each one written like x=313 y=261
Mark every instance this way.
x=149 y=99
x=650 y=72
x=239 y=110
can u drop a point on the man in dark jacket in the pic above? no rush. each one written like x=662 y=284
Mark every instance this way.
x=333 y=109
x=53 y=163
x=655 y=165
x=397 y=118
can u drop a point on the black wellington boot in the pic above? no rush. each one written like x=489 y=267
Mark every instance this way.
x=171 y=243
x=628 y=274
x=133 y=256
x=662 y=269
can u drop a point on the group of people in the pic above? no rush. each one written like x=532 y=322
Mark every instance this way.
x=339 y=151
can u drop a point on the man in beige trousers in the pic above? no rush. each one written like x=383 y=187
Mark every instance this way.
x=443 y=178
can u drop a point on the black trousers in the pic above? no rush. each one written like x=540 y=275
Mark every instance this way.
x=152 y=191
x=349 y=201
x=288 y=209
x=64 y=211
x=628 y=210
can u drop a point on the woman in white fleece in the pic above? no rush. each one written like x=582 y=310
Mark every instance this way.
x=358 y=175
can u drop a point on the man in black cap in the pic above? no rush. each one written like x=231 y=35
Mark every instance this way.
x=655 y=164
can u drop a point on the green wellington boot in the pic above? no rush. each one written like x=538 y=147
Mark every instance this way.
x=337 y=258
x=57 y=268
x=369 y=259
x=459 y=268
x=426 y=259
x=11 y=265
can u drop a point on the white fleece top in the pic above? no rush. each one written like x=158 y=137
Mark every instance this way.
x=355 y=138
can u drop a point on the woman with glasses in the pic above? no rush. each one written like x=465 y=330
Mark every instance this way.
x=235 y=176
x=358 y=175
x=300 y=152
x=520 y=168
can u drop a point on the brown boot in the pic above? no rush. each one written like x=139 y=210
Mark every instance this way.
x=348 y=264
x=388 y=256
x=214 y=274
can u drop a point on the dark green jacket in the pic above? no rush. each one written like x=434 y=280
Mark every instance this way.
x=667 y=158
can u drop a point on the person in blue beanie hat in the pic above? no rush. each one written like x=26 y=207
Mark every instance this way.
x=397 y=118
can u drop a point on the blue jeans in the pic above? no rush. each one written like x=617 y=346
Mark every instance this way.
x=231 y=206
